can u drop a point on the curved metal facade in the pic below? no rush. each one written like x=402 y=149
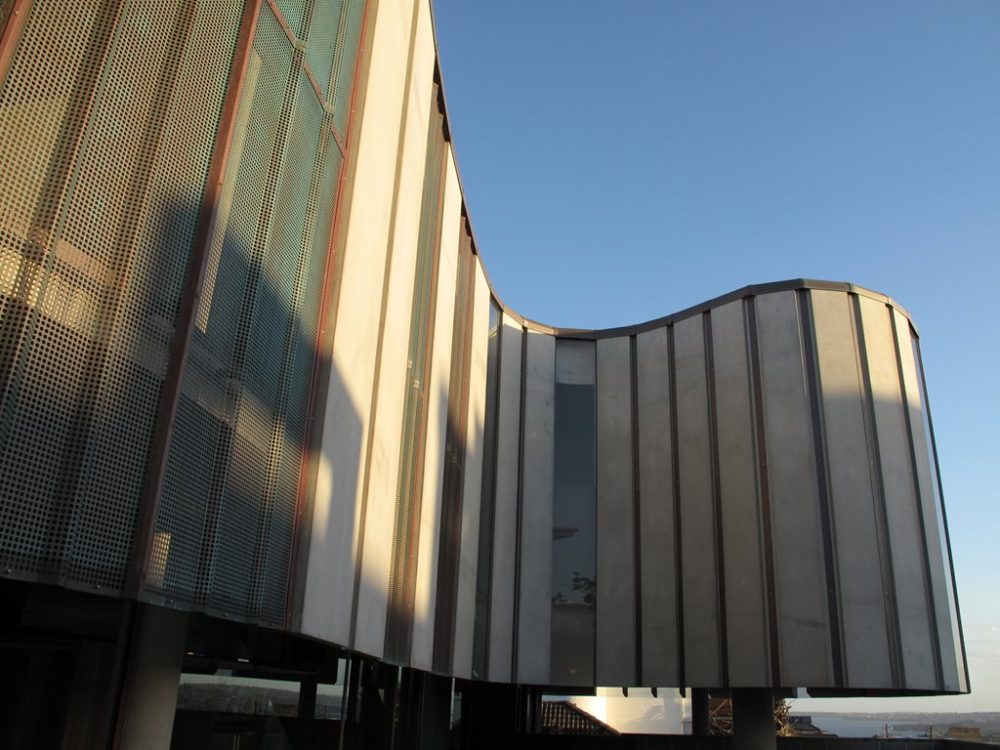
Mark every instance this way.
x=264 y=376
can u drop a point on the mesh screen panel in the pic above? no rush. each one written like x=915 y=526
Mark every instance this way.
x=231 y=487
x=294 y=12
x=108 y=118
x=333 y=41
x=107 y=121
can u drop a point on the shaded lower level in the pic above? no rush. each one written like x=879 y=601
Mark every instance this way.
x=89 y=671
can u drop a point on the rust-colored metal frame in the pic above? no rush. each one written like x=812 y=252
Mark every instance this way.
x=11 y=33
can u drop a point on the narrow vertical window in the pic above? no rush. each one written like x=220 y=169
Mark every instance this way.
x=574 y=533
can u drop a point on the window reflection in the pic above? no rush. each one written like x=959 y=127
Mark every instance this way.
x=574 y=558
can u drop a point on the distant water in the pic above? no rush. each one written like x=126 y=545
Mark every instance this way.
x=850 y=726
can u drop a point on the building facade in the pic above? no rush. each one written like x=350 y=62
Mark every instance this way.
x=257 y=386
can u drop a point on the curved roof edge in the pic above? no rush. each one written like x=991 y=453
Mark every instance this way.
x=599 y=333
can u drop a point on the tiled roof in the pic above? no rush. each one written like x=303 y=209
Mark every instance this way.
x=563 y=717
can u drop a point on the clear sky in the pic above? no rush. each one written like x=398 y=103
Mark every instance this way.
x=622 y=161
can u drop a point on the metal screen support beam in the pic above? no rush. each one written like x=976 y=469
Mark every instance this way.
x=149 y=498
x=10 y=34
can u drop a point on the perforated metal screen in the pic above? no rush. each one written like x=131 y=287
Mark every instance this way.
x=107 y=122
x=227 y=515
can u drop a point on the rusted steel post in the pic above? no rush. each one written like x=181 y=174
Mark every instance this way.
x=10 y=34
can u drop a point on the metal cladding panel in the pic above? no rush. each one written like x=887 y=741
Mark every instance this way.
x=437 y=424
x=616 y=574
x=338 y=503
x=107 y=124
x=954 y=674
x=534 y=607
x=505 y=519
x=656 y=512
x=702 y=643
x=384 y=467
x=742 y=532
x=901 y=501
x=866 y=640
x=800 y=579
x=471 y=495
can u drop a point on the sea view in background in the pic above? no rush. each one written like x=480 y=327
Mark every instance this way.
x=979 y=726
x=857 y=726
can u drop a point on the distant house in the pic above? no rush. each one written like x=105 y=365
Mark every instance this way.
x=964 y=733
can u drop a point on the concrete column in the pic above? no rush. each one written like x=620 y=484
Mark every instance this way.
x=700 y=725
x=753 y=719
x=149 y=695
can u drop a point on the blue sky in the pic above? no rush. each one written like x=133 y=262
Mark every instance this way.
x=622 y=161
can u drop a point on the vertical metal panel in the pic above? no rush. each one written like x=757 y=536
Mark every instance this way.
x=420 y=348
x=383 y=472
x=487 y=496
x=438 y=390
x=656 y=511
x=702 y=645
x=957 y=652
x=452 y=518
x=508 y=437
x=900 y=497
x=616 y=575
x=822 y=485
x=535 y=587
x=866 y=640
x=746 y=605
x=930 y=521
x=338 y=505
x=471 y=495
x=800 y=576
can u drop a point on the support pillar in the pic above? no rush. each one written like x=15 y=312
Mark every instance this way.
x=149 y=693
x=307 y=698
x=753 y=719
x=700 y=723
x=435 y=711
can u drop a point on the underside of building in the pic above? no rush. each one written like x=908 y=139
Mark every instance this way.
x=264 y=417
